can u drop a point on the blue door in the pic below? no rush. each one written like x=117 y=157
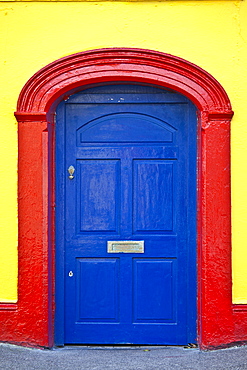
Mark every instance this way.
x=126 y=217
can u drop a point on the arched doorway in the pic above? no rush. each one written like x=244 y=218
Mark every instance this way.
x=126 y=216
x=37 y=103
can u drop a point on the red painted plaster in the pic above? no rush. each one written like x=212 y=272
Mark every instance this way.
x=219 y=322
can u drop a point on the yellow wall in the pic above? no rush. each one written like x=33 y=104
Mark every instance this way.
x=211 y=34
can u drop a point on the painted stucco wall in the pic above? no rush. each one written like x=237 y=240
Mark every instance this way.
x=211 y=34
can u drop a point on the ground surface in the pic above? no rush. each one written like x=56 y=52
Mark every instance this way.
x=122 y=358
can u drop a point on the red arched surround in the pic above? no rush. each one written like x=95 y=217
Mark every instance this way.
x=30 y=321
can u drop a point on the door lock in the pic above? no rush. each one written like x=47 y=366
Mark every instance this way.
x=70 y=274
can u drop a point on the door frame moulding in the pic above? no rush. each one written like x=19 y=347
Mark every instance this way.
x=219 y=324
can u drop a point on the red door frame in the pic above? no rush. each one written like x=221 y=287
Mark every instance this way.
x=30 y=321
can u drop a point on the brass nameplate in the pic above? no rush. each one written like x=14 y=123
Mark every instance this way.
x=126 y=246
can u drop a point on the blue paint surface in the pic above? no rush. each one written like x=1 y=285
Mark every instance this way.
x=134 y=152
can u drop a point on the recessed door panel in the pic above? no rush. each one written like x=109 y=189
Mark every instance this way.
x=98 y=195
x=154 y=290
x=126 y=219
x=97 y=289
x=153 y=195
x=125 y=128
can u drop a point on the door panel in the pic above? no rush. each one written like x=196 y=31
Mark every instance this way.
x=153 y=196
x=153 y=278
x=98 y=289
x=125 y=128
x=134 y=153
x=98 y=195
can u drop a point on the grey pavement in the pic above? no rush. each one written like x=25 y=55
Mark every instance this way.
x=121 y=358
